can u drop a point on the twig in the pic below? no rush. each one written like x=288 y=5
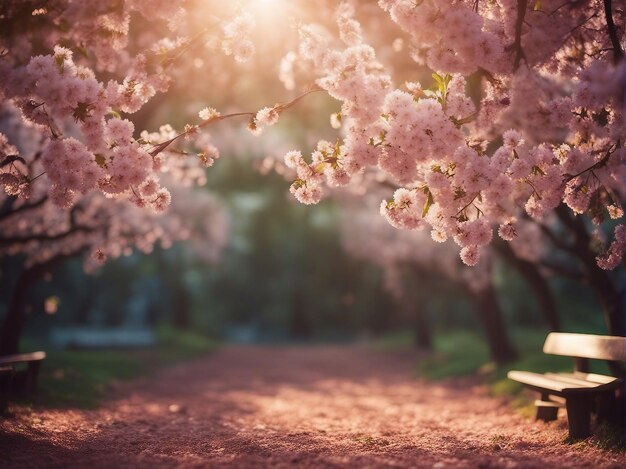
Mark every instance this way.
x=522 y=5
x=278 y=107
x=598 y=164
x=618 y=53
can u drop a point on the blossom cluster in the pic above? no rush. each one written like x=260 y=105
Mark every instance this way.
x=98 y=226
x=236 y=41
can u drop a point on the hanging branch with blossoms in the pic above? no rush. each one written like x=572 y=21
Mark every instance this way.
x=543 y=127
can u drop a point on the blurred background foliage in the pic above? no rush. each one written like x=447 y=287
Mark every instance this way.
x=284 y=276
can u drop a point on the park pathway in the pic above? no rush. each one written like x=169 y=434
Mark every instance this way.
x=307 y=406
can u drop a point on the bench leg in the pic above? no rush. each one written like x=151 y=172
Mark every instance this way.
x=4 y=394
x=579 y=416
x=32 y=372
x=547 y=414
x=6 y=379
x=606 y=405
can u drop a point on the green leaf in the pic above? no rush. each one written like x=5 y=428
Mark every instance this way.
x=298 y=183
x=441 y=86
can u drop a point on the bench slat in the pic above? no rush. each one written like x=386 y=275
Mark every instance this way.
x=22 y=358
x=559 y=384
x=598 y=347
x=600 y=379
x=576 y=380
x=537 y=380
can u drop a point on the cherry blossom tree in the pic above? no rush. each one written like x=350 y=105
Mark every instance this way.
x=96 y=227
x=79 y=174
x=523 y=121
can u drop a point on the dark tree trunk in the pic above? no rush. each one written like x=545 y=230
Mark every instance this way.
x=411 y=305
x=421 y=330
x=536 y=281
x=300 y=327
x=612 y=302
x=490 y=315
x=13 y=323
x=611 y=298
x=177 y=304
x=181 y=303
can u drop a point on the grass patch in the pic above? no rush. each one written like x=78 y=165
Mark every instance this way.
x=605 y=437
x=461 y=353
x=81 y=378
x=175 y=346
x=608 y=438
x=400 y=340
x=456 y=353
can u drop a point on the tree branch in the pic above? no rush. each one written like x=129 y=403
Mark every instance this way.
x=564 y=271
x=278 y=107
x=7 y=211
x=559 y=243
x=9 y=240
x=618 y=53
x=522 y=5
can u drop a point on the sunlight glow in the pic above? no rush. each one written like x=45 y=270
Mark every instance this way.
x=266 y=8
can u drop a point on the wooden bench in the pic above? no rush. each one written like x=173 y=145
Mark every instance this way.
x=581 y=393
x=27 y=380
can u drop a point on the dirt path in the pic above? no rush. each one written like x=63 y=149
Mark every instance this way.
x=293 y=406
